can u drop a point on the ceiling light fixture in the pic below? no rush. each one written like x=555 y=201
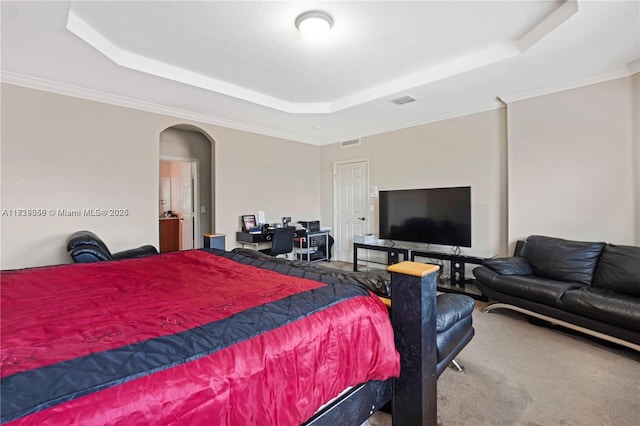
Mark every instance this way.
x=314 y=24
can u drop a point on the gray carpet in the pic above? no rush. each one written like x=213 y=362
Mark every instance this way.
x=521 y=374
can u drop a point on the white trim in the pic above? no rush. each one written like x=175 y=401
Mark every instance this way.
x=179 y=159
x=123 y=101
x=97 y=96
x=625 y=71
x=427 y=120
x=634 y=66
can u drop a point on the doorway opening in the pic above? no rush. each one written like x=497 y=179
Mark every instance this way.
x=178 y=196
x=185 y=187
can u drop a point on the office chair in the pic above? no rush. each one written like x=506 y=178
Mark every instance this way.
x=282 y=242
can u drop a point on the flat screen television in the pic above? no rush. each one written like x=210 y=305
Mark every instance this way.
x=433 y=215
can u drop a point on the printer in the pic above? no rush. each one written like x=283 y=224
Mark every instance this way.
x=311 y=225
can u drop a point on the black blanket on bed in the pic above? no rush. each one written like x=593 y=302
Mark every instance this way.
x=376 y=281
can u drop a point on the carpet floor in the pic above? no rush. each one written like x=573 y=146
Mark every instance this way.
x=518 y=373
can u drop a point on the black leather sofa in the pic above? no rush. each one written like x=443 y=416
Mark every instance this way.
x=592 y=287
x=85 y=246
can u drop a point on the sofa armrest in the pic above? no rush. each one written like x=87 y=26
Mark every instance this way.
x=450 y=309
x=87 y=253
x=86 y=238
x=143 y=251
x=515 y=265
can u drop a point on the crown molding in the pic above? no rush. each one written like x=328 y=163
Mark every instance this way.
x=98 y=96
x=432 y=119
x=625 y=71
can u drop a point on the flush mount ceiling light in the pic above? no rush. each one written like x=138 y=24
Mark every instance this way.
x=314 y=24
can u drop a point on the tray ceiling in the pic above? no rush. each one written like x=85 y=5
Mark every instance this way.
x=244 y=64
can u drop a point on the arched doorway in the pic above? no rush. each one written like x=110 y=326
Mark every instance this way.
x=186 y=206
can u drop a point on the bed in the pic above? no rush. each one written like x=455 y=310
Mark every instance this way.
x=207 y=337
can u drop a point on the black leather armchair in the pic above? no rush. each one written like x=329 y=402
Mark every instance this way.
x=454 y=328
x=85 y=247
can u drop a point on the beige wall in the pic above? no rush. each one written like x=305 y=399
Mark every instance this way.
x=635 y=122
x=572 y=165
x=279 y=177
x=60 y=152
x=569 y=166
x=464 y=151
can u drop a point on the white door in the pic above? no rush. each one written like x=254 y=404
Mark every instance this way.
x=187 y=214
x=350 y=192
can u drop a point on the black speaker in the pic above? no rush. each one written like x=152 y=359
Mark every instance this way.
x=457 y=273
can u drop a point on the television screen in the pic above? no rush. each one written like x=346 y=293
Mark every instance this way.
x=435 y=216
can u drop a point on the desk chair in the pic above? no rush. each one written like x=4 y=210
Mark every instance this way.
x=281 y=243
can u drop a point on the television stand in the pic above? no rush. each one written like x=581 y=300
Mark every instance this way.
x=395 y=253
x=457 y=281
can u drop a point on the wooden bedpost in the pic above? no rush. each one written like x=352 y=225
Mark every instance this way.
x=413 y=313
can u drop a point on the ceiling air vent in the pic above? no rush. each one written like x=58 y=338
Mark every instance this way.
x=403 y=100
x=347 y=144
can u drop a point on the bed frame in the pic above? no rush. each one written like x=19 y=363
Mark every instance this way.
x=413 y=395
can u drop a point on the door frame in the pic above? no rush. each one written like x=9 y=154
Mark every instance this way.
x=197 y=242
x=335 y=195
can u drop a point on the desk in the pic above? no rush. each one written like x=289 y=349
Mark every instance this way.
x=305 y=240
x=245 y=238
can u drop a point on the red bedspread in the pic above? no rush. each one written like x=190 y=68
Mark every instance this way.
x=182 y=338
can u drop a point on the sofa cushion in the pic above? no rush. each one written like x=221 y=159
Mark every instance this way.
x=619 y=270
x=529 y=287
x=605 y=305
x=515 y=265
x=562 y=260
